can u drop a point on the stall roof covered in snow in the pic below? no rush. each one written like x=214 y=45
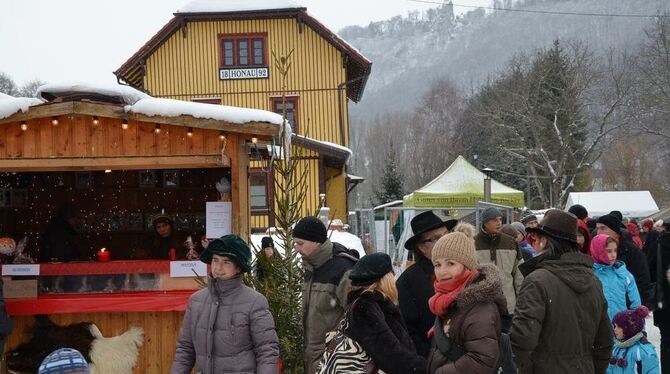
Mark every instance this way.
x=217 y=6
x=10 y=105
x=138 y=102
x=629 y=203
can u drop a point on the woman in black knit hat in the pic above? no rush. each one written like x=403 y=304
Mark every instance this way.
x=373 y=319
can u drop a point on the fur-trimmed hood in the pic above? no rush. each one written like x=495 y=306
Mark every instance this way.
x=485 y=287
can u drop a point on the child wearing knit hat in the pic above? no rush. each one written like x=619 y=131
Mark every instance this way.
x=632 y=353
x=468 y=302
x=618 y=283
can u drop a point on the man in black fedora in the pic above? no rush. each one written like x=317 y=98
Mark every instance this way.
x=415 y=285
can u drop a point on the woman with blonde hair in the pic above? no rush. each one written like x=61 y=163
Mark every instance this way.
x=373 y=318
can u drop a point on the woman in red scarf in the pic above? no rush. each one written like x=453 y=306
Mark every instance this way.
x=468 y=304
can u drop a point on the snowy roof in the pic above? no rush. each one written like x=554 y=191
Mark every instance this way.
x=10 y=105
x=141 y=103
x=224 y=6
x=629 y=203
x=127 y=94
x=152 y=106
x=390 y=204
x=338 y=147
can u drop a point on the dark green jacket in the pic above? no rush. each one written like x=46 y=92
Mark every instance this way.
x=560 y=322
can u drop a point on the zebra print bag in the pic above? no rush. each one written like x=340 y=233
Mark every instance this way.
x=345 y=355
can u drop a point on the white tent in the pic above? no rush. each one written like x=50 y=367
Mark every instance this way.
x=632 y=204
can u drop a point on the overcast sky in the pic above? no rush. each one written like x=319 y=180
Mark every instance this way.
x=85 y=40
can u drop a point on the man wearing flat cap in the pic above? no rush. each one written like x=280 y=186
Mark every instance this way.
x=415 y=285
x=494 y=247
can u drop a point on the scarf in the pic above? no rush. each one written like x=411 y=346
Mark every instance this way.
x=630 y=342
x=447 y=291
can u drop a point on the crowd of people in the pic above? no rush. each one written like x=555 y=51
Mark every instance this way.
x=567 y=294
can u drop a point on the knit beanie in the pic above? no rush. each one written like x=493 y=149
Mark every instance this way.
x=528 y=218
x=631 y=321
x=311 y=229
x=617 y=214
x=370 y=269
x=231 y=246
x=579 y=211
x=598 y=249
x=510 y=230
x=267 y=242
x=611 y=221
x=489 y=214
x=520 y=228
x=458 y=246
x=648 y=224
x=62 y=361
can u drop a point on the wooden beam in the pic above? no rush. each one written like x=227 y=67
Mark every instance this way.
x=117 y=111
x=240 y=183
x=115 y=163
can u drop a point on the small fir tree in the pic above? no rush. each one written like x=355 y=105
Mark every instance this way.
x=393 y=180
x=283 y=276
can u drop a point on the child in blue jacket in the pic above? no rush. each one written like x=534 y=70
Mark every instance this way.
x=632 y=353
x=618 y=283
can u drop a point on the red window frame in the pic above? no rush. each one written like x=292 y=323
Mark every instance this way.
x=235 y=40
x=295 y=100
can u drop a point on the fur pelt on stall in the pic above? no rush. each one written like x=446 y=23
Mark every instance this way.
x=113 y=355
x=117 y=354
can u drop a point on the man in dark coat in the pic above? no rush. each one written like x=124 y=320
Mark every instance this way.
x=415 y=285
x=659 y=267
x=560 y=321
x=58 y=242
x=630 y=254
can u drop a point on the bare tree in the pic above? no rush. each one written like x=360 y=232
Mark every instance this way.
x=7 y=85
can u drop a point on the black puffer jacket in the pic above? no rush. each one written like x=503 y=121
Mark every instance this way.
x=415 y=287
x=636 y=263
x=376 y=324
x=659 y=273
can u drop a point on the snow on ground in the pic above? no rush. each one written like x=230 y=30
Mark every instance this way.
x=216 y=6
x=10 y=104
x=653 y=333
x=348 y=240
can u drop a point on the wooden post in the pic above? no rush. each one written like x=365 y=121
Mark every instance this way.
x=240 y=181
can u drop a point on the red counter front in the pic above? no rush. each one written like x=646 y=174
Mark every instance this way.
x=170 y=294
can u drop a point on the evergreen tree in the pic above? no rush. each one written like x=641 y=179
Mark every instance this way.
x=392 y=181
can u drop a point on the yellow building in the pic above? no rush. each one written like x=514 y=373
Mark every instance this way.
x=225 y=56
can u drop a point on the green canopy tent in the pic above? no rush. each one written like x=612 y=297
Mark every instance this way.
x=461 y=186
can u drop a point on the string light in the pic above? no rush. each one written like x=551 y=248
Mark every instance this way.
x=124 y=124
x=54 y=121
x=24 y=126
x=190 y=132
x=158 y=128
x=222 y=135
x=96 y=121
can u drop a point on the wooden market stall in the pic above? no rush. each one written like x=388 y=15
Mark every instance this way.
x=120 y=156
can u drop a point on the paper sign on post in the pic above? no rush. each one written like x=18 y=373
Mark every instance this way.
x=218 y=219
x=180 y=269
x=18 y=270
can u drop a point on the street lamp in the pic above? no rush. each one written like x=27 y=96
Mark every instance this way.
x=487 y=184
